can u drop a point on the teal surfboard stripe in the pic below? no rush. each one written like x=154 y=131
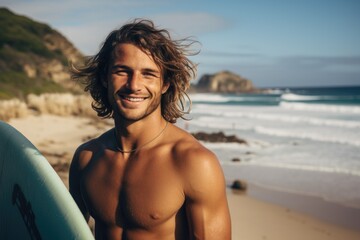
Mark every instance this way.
x=32 y=196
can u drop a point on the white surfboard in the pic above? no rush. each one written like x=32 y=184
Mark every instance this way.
x=34 y=202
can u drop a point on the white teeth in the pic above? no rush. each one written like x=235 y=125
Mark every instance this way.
x=134 y=99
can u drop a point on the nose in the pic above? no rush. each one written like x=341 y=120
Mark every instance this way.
x=134 y=82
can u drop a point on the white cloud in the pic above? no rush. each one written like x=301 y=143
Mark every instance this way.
x=193 y=23
x=88 y=37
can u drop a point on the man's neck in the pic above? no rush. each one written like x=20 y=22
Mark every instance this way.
x=133 y=135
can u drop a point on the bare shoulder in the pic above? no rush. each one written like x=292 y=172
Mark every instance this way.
x=198 y=166
x=83 y=154
x=85 y=151
x=188 y=150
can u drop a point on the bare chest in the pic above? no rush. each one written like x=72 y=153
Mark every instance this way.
x=143 y=193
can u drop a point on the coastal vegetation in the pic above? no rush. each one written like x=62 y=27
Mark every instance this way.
x=33 y=57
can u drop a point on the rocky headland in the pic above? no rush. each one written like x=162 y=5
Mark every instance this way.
x=224 y=82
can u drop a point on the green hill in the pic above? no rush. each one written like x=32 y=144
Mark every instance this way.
x=33 y=57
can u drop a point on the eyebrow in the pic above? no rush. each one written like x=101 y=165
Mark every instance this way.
x=120 y=66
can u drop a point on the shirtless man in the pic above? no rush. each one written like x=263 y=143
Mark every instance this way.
x=146 y=178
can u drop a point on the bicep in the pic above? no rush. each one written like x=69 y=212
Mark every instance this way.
x=209 y=222
x=206 y=203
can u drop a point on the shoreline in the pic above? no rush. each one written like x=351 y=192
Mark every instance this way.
x=256 y=219
x=259 y=214
x=323 y=210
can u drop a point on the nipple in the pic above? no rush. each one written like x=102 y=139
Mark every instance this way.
x=155 y=216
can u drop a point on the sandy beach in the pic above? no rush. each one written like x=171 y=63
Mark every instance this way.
x=57 y=138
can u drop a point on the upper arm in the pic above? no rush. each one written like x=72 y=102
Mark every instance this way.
x=206 y=204
x=75 y=185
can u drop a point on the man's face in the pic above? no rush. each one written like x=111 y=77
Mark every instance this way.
x=135 y=83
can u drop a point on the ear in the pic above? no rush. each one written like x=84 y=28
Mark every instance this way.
x=165 y=87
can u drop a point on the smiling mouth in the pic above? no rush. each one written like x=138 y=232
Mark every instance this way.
x=133 y=99
x=129 y=98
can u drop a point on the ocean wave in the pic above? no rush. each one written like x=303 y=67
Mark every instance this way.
x=220 y=98
x=235 y=116
x=297 y=97
x=276 y=91
x=305 y=135
x=320 y=107
x=227 y=146
x=289 y=96
x=292 y=166
x=219 y=124
x=198 y=97
x=295 y=119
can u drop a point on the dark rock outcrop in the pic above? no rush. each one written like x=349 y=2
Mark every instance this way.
x=224 y=82
x=217 y=137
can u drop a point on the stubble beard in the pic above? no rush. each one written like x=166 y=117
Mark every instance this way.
x=133 y=115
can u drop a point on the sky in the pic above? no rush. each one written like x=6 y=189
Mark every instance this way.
x=274 y=43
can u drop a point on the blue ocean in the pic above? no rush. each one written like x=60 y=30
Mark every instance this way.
x=300 y=140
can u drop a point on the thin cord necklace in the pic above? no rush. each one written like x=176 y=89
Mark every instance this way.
x=135 y=149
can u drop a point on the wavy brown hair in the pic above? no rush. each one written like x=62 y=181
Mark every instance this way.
x=170 y=55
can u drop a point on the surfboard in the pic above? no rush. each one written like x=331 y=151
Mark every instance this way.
x=34 y=202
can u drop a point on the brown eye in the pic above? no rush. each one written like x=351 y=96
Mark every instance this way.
x=149 y=75
x=121 y=73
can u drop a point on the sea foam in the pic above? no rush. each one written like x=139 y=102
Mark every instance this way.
x=302 y=167
x=320 y=107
